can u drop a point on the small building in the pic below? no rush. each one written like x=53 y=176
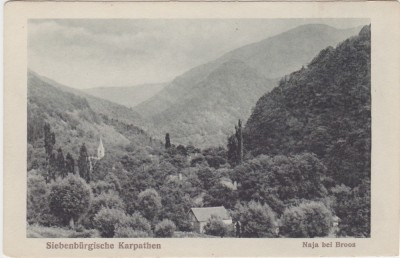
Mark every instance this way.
x=200 y=216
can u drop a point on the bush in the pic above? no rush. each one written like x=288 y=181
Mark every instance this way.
x=165 y=228
x=104 y=200
x=127 y=232
x=107 y=220
x=150 y=203
x=215 y=227
x=138 y=223
x=38 y=210
x=257 y=220
x=70 y=198
x=311 y=219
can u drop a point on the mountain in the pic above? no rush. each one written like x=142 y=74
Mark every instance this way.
x=127 y=96
x=98 y=105
x=324 y=109
x=74 y=121
x=202 y=105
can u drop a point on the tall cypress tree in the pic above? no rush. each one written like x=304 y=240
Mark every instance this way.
x=239 y=137
x=83 y=163
x=61 y=163
x=69 y=164
x=167 y=141
x=235 y=146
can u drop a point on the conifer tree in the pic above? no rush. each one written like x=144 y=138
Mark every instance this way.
x=83 y=163
x=61 y=163
x=239 y=137
x=167 y=141
x=69 y=164
x=235 y=146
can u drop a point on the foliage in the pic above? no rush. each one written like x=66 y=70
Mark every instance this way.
x=104 y=200
x=83 y=163
x=70 y=198
x=310 y=219
x=167 y=141
x=150 y=203
x=37 y=199
x=165 y=228
x=216 y=227
x=107 y=220
x=353 y=207
x=256 y=220
x=280 y=180
x=323 y=109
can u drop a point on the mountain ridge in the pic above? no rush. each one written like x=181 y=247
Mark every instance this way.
x=287 y=52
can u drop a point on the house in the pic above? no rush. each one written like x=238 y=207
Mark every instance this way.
x=200 y=216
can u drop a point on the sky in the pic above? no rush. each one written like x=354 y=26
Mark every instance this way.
x=88 y=53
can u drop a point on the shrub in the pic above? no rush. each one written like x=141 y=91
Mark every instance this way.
x=138 y=223
x=107 y=220
x=150 y=203
x=310 y=219
x=70 y=198
x=37 y=203
x=165 y=228
x=257 y=220
x=215 y=227
x=104 y=200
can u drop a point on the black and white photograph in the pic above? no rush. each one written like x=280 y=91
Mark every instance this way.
x=199 y=128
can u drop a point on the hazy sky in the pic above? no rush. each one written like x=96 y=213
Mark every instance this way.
x=93 y=53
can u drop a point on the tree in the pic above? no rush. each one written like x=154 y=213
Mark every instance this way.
x=353 y=208
x=235 y=146
x=149 y=202
x=257 y=220
x=70 y=198
x=165 y=228
x=239 y=137
x=49 y=139
x=107 y=220
x=52 y=166
x=69 y=164
x=83 y=164
x=309 y=219
x=104 y=200
x=167 y=141
x=38 y=193
x=61 y=163
x=216 y=227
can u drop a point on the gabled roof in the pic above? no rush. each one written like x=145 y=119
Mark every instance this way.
x=203 y=214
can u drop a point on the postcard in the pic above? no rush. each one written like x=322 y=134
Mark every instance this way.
x=201 y=129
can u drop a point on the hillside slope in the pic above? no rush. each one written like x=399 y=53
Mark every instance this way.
x=127 y=96
x=98 y=105
x=188 y=108
x=74 y=121
x=324 y=109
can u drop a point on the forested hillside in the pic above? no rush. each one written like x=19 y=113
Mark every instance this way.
x=322 y=113
x=230 y=85
x=73 y=121
x=324 y=109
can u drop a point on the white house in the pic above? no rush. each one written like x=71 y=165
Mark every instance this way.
x=200 y=216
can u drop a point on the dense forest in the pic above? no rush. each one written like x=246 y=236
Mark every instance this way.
x=299 y=167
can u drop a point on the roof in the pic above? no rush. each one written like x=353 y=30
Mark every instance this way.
x=203 y=214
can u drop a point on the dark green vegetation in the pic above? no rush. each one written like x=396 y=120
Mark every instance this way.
x=297 y=167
